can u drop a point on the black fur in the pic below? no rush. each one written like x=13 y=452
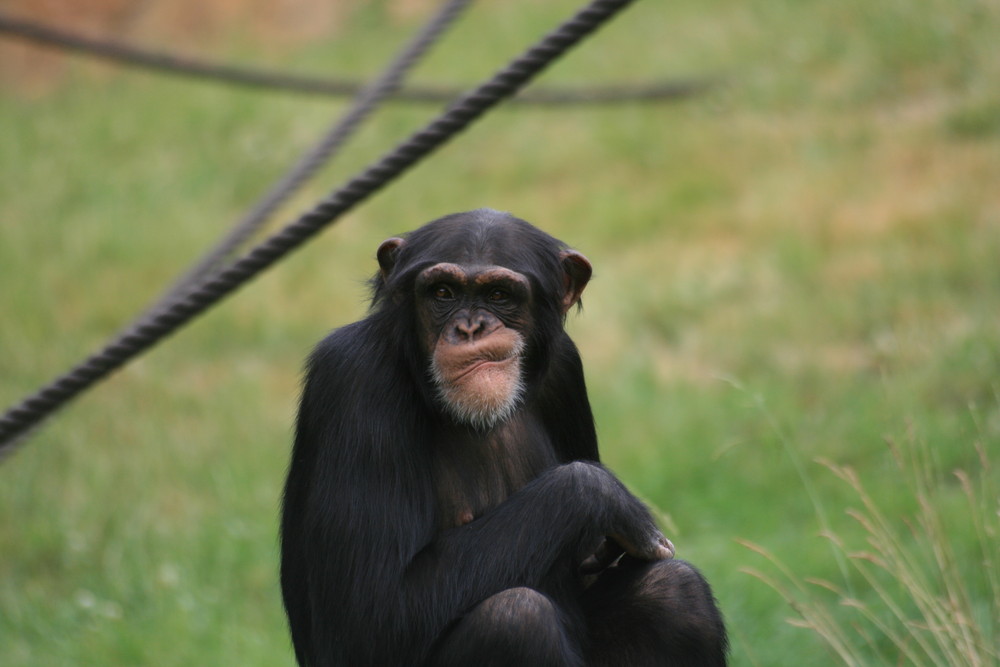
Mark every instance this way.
x=374 y=570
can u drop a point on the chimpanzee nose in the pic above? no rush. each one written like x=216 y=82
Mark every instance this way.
x=469 y=328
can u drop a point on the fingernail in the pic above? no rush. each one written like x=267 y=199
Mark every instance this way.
x=667 y=546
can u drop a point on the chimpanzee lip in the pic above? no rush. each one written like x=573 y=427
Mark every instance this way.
x=476 y=365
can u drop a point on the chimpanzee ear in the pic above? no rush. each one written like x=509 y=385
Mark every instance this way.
x=576 y=275
x=387 y=254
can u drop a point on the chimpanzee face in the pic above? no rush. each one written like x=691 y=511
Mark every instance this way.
x=474 y=322
x=485 y=289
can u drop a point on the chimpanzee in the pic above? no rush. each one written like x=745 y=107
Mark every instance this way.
x=445 y=504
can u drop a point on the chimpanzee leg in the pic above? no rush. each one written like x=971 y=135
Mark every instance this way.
x=659 y=613
x=519 y=626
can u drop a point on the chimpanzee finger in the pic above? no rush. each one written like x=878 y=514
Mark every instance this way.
x=654 y=547
x=606 y=554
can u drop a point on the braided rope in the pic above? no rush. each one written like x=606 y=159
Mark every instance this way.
x=30 y=412
x=309 y=163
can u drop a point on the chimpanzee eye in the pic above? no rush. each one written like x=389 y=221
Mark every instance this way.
x=442 y=293
x=498 y=295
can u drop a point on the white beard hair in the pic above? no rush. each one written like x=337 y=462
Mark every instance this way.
x=477 y=412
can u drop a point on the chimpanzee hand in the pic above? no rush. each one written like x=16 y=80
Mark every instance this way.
x=654 y=547
x=621 y=517
x=608 y=553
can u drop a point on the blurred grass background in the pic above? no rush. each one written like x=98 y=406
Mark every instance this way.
x=796 y=266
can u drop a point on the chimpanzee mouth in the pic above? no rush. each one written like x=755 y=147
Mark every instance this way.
x=480 y=365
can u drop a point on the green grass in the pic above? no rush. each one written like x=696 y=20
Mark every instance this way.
x=934 y=600
x=789 y=269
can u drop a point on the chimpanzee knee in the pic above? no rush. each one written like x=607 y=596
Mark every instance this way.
x=660 y=613
x=518 y=626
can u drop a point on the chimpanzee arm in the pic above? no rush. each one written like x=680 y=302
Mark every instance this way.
x=357 y=504
x=557 y=519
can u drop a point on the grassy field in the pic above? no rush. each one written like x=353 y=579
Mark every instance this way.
x=802 y=266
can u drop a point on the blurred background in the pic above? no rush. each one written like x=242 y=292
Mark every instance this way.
x=792 y=339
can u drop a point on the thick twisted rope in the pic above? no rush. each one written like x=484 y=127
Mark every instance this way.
x=364 y=104
x=18 y=419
